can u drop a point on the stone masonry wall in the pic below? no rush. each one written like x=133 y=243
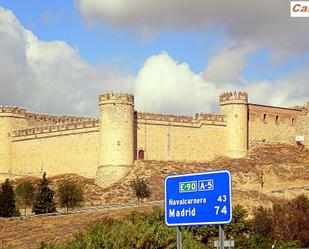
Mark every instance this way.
x=302 y=128
x=269 y=124
x=181 y=138
x=57 y=154
x=57 y=149
x=33 y=143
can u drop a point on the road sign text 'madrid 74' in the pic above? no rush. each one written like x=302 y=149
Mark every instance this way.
x=198 y=199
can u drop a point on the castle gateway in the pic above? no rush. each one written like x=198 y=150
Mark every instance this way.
x=106 y=148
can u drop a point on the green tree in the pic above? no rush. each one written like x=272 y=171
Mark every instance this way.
x=240 y=226
x=262 y=222
x=238 y=229
x=7 y=200
x=299 y=214
x=140 y=188
x=70 y=194
x=44 y=201
x=25 y=194
x=291 y=220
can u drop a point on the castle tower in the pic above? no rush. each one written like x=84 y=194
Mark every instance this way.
x=10 y=118
x=235 y=107
x=116 y=145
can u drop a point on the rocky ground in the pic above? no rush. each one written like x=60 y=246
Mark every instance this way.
x=269 y=174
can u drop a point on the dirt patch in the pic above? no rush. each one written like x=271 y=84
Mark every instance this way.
x=29 y=233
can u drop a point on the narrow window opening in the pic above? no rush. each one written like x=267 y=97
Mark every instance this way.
x=264 y=118
x=293 y=120
x=277 y=119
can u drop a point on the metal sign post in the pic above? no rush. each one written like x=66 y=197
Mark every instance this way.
x=179 y=238
x=221 y=237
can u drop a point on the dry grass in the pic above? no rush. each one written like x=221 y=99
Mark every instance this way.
x=283 y=169
x=280 y=167
x=29 y=233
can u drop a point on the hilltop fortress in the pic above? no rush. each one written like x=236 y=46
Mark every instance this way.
x=106 y=148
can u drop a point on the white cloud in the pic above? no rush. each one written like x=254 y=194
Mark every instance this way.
x=163 y=85
x=50 y=76
x=166 y=86
x=262 y=23
x=227 y=65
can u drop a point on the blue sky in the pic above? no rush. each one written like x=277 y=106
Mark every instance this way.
x=96 y=44
x=112 y=37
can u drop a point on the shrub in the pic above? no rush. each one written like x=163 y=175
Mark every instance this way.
x=70 y=194
x=44 y=201
x=262 y=222
x=7 y=200
x=25 y=194
x=140 y=188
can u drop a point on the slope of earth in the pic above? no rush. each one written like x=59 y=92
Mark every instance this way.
x=29 y=233
x=268 y=174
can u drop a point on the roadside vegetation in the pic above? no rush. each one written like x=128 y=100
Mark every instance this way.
x=140 y=188
x=25 y=193
x=70 y=194
x=40 y=197
x=284 y=226
x=7 y=200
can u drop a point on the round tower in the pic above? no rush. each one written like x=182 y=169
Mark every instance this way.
x=116 y=134
x=10 y=117
x=235 y=107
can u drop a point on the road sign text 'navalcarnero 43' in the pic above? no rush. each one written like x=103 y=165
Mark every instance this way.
x=198 y=199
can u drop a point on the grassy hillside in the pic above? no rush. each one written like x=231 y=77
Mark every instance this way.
x=283 y=170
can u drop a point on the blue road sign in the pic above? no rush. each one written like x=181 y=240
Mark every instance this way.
x=198 y=199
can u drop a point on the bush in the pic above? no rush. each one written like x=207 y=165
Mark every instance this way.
x=136 y=231
x=291 y=220
x=70 y=194
x=25 y=194
x=285 y=222
x=140 y=188
x=140 y=230
x=262 y=222
x=240 y=226
x=44 y=201
x=7 y=200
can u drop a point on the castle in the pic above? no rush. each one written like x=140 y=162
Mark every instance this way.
x=106 y=148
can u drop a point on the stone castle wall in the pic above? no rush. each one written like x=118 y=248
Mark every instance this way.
x=181 y=138
x=56 y=149
x=105 y=148
x=70 y=152
x=268 y=125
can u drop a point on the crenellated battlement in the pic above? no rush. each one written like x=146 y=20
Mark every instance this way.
x=116 y=98
x=209 y=117
x=56 y=128
x=180 y=119
x=304 y=107
x=35 y=119
x=40 y=119
x=233 y=98
x=105 y=148
x=13 y=111
x=162 y=117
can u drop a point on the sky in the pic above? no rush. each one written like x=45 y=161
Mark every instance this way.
x=175 y=56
